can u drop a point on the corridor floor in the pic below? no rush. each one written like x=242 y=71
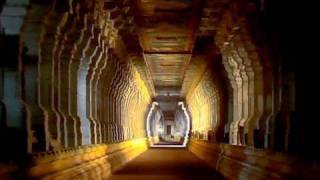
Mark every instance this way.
x=166 y=164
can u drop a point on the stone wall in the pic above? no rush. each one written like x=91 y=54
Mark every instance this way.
x=70 y=81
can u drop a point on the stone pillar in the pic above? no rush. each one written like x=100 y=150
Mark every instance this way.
x=77 y=38
x=99 y=95
x=63 y=56
x=13 y=131
x=29 y=60
x=82 y=84
x=92 y=67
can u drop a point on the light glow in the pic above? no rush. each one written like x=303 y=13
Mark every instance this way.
x=186 y=137
x=154 y=104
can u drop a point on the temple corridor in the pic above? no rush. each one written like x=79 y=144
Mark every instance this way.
x=158 y=89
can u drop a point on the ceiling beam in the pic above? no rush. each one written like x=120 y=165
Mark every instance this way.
x=167 y=52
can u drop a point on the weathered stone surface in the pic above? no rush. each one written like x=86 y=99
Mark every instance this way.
x=237 y=162
x=93 y=162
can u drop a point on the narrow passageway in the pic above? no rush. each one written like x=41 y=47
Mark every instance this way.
x=88 y=87
x=166 y=164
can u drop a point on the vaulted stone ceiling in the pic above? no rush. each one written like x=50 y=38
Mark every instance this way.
x=167 y=33
x=167 y=39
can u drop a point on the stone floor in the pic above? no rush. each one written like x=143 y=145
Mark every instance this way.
x=166 y=164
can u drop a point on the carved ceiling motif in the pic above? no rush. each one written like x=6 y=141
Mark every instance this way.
x=166 y=30
x=167 y=70
x=164 y=33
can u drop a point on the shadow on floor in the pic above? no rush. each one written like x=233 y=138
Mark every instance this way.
x=166 y=164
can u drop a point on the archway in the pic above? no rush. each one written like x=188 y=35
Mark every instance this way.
x=163 y=130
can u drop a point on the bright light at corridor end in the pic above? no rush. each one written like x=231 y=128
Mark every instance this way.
x=186 y=137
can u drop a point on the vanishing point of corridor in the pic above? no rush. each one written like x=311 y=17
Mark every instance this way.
x=158 y=89
x=164 y=163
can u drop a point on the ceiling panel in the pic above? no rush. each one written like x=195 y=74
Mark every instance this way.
x=167 y=31
x=167 y=70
